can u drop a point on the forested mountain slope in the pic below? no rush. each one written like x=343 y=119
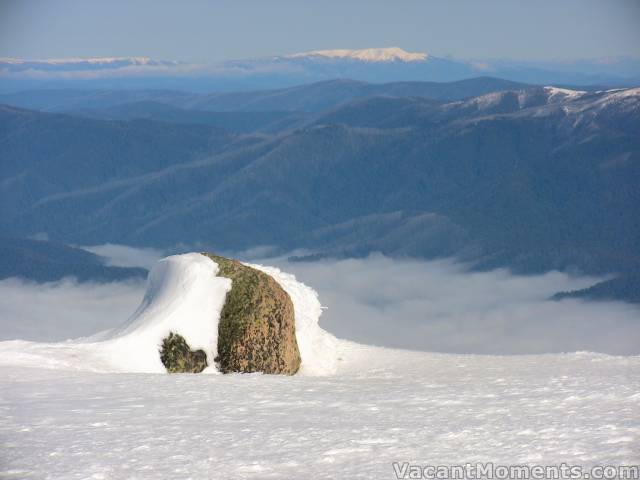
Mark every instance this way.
x=534 y=179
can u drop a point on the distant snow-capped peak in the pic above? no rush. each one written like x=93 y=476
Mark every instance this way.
x=72 y=60
x=366 y=55
x=84 y=63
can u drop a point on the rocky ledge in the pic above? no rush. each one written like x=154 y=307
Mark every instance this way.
x=256 y=329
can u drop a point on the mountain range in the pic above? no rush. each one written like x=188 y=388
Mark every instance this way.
x=531 y=178
x=378 y=65
x=314 y=97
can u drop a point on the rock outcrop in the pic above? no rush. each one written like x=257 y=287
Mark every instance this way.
x=177 y=357
x=256 y=331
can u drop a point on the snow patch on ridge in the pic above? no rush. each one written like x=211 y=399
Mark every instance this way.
x=624 y=93
x=624 y=100
x=563 y=93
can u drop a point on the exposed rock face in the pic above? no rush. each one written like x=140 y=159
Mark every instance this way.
x=177 y=357
x=256 y=332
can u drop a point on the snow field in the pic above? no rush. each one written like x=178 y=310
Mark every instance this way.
x=389 y=406
x=351 y=412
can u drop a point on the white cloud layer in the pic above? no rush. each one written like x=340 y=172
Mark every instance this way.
x=433 y=306
x=441 y=306
x=124 y=256
x=66 y=309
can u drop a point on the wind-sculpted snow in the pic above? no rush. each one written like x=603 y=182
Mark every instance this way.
x=183 y=296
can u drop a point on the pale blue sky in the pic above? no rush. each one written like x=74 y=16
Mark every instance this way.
x=212 y=31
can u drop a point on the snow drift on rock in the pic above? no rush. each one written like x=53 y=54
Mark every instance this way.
x=183 y=296
x=319 y=350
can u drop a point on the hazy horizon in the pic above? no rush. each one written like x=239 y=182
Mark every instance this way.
x=201 y=32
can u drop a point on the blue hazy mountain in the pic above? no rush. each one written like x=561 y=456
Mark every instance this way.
x=534 y=179
x=239 y=122
x=624 y=287
x=45 y=261
x=314 y=97
x=376 y=65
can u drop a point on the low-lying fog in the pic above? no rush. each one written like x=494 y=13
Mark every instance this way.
x=422 y=305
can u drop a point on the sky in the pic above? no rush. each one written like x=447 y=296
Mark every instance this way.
x=213 y=31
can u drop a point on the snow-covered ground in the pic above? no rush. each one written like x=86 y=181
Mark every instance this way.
x=388 y=406
x=351 y=412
